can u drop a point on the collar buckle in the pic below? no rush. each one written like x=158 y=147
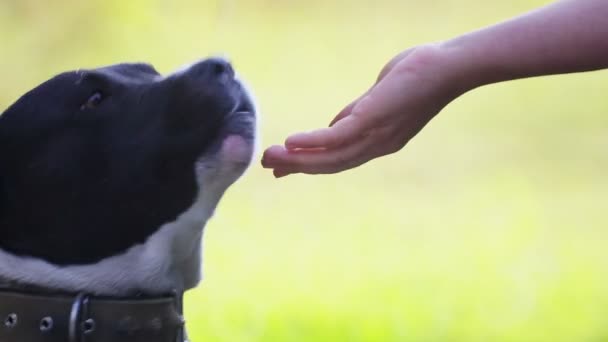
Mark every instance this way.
x=178 y=298
x=77 y=327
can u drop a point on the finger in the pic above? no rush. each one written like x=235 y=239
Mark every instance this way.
x=371 y=109
x=348 y=109
x=279 y=157
x=280 y=173
x=272 y=155
x=387 y=68
x=386 y=101
x=391 y=64
x=323 y=161
x=376 y=108
x=343 y=113
x=348 y=129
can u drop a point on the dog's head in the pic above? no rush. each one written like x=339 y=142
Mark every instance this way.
x=119 y=167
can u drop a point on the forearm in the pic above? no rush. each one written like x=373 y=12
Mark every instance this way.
x=564 y=37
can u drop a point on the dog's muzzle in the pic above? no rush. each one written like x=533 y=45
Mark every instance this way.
x=60 y=318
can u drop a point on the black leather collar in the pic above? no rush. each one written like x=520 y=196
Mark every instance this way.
x=29 y=317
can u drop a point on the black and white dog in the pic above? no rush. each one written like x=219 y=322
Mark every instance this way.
x=107 y=178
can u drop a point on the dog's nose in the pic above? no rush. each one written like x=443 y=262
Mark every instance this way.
x=214 y=68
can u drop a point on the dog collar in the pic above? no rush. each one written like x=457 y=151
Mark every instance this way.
x=60 y=318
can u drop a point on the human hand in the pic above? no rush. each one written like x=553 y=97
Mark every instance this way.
x=410 y=90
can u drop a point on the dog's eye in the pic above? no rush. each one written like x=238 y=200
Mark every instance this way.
x=94 y=100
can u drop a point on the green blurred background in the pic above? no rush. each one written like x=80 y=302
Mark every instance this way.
x=490 y=226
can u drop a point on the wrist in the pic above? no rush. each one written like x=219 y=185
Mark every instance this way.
x=445 y=68
x=463 y=69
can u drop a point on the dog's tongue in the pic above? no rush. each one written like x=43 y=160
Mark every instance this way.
x=236 y=149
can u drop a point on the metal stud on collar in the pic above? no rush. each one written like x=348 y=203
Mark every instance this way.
x=46 y=324
x=11 y=320
x=88 y=326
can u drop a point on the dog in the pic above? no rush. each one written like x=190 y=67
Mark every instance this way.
x=107 y=178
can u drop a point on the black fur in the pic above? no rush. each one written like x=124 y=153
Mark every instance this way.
x=80 y=183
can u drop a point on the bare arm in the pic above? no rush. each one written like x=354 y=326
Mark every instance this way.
x=564 y=37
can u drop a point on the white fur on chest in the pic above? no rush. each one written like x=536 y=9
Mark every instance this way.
x=170 y=259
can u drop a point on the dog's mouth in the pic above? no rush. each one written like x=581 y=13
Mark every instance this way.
x=244 y=104
x=238 y=132
x=230 y=107
x=242 y=117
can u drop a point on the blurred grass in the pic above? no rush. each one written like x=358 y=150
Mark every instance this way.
x=490 y=226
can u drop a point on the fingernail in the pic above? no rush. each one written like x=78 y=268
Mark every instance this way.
x=289 y=142
x=274 y=151
x=290 y=145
